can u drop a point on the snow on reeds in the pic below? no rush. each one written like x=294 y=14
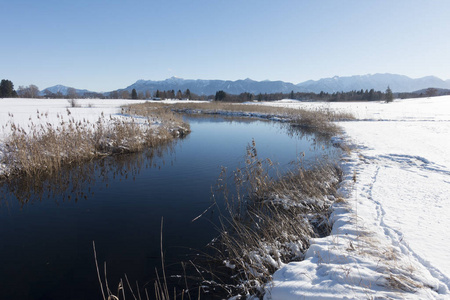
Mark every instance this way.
x=268 y=223
x=46 y=147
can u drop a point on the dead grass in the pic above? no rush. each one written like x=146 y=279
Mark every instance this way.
x=269 y=223
x=46 y=148
x=320 y=120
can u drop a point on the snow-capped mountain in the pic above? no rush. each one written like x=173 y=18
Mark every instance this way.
x=210 y=87
x=378 y=82
x=63 y=90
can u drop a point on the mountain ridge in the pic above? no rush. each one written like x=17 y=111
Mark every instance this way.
x=59 y=88
x=378 y=82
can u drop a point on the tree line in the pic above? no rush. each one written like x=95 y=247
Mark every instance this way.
x=32 y=91
x=361 y=95
x=158 y=95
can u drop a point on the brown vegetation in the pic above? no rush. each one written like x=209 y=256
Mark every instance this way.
x=46 y=147
x=269 y=223
x=320 y=120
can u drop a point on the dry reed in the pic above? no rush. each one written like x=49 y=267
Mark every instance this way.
x=270 y=222
x=320 y=120
x=45 y=148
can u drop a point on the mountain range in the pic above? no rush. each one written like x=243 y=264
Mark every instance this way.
x=378 y=82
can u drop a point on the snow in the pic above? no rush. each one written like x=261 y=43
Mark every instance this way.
x=24 y=111
x=389 y=240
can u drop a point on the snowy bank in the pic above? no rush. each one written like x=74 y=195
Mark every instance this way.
x=390 y=239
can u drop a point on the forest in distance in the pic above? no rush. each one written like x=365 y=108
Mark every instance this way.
x=32 y=91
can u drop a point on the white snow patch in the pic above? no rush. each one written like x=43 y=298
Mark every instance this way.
x=390 y=240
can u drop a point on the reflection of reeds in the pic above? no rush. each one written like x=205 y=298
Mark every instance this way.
x=74 y=182
x=45 y=148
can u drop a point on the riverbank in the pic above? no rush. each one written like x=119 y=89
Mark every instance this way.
x=319 y=120
x=389 y=239
x=273 y=222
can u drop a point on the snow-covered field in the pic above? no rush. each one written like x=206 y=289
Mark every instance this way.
x=390 y=240
x=24 y=111
x=32 y=113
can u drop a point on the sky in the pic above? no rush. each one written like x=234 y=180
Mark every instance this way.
x=103 y=45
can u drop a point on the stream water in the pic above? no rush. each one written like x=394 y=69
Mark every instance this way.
x=47 y=225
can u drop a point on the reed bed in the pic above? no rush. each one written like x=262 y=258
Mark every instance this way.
x=320 y=119
x=268 y=223
x=46 y=147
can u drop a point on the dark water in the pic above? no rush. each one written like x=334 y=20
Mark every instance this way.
x=46 y=234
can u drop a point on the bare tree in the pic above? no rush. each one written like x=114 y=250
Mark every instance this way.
x=22 y=91
x=49 y=94
x=30 y=91
x=125 y=94
x=114 y=95
x=72 y=93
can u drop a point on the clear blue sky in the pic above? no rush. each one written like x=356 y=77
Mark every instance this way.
x=103 y=45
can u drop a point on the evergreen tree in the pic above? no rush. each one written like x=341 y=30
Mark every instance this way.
x=7 y=89
x=371 y=95
x=389 y=96
x=179 y=95
x=188 y=94
x=259 y=98
x=134 y=94
x=220 y=95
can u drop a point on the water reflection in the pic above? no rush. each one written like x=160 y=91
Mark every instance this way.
x=126 y=197
x=74 y=182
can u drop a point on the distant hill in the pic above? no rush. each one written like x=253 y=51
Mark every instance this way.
x=432 y=92
x=210 y=87
x=63 y=90
x=378 y=82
